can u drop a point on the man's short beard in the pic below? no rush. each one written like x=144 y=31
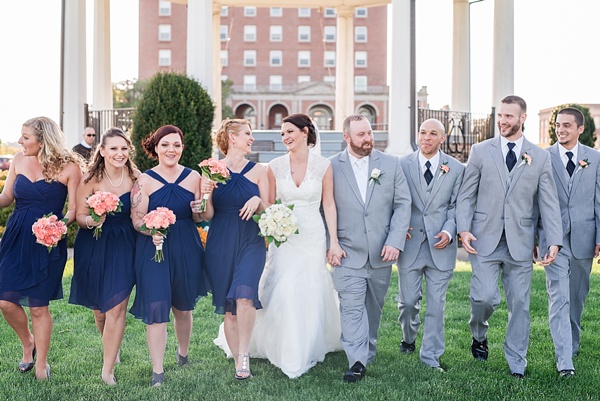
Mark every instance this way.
x=359 y=150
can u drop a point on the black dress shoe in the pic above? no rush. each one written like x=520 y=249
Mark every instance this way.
x=407 y=347
x=479 y=349
x=567 y=373
x=356 y=373
x=518 y=376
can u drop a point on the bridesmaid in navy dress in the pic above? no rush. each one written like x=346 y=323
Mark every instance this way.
x=39 y=180
x=177 y=282
x=235 y=253
x=103 y=274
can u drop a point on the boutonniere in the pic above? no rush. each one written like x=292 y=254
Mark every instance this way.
x=444 y=169
x=525 y=160
x=585 y=163
x=375 y=174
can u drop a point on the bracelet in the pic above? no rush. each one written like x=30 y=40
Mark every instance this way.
x=86 y=223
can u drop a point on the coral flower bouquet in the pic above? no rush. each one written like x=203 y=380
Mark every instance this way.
x=216 y=171
x=49 y=230
x=158 y=221
x=100 y=204
x=277 y=223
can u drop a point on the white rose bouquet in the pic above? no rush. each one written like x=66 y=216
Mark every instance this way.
x=277 y=223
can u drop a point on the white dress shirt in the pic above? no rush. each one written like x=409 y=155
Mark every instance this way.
x=563 y=154
x=435 y=162
x=517 y=149
x=361 y=173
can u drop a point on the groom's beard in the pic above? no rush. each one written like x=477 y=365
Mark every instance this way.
x=364 y=149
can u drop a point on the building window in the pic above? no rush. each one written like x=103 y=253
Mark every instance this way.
x=275 y=58
x=249 y=82
x=224 y=58
x=330 y=79
x=360 y=83
x=249 y=33
x=304 y=58
x=164 y=57
x=164 y=8
x=276 y=11
x=303 y=78
x=249 y=11
x=224 y=11
x=329 y=12
x=249 y=58
x=224 y=77
x=224 y=34
x=276 y=33
x=360 y=34
x=329 y=33
x=275 y=82
x=329 y=58
x=360 y=59
x=304 y=12
x=360 y=12
x=164 y=33
x=303 y=33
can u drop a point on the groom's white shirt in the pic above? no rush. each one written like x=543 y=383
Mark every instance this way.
x=360 y=168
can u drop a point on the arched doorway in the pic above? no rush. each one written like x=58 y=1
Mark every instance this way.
x=369 y=112
x=246 y=111
x=276 y=115
x=322 y=116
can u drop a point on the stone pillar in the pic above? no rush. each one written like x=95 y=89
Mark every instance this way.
x=102 y=86
x=216 y=57
x=200 y=37
x=399 y=142
x=344 y=66
x=74 y=82
x=461 y=57
x=504 y=51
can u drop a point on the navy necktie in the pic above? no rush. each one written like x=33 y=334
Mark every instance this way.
x=511 y=158
x=570 y=164
x=428 y=176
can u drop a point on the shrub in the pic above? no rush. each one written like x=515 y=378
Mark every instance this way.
x=587 y=137
x=172 y=98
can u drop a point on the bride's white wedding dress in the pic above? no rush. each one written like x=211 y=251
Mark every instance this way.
x=300 y=321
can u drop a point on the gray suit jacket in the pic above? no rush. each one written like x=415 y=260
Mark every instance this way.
x=579 y=201
x=489 y=204
x=433 y=212
x=365 y=227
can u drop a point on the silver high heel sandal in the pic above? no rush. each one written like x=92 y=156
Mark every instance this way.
x=244 y=372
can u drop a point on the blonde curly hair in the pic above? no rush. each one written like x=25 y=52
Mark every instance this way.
x=53 y=155
x=229 y=126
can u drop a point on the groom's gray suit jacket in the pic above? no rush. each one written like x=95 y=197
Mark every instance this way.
x=365 y=227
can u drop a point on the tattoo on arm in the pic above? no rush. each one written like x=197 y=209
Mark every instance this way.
x=136 y=195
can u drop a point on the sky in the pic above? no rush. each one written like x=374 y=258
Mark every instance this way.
x=556 y=55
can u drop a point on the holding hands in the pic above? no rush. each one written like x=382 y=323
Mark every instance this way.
x=335 y=253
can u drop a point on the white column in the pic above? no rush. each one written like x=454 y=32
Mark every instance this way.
x=344 y=66
x=74 y=79
x=461 y=57
x=504 y=50
x=102 y=88
x=216 y=40
x=200 y=43
x=400 y=111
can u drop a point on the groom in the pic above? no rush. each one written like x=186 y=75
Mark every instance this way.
x=373 y=213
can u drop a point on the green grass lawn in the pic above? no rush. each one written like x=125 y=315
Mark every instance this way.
x=76 y=361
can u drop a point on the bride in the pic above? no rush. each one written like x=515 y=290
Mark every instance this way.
x=299 y=322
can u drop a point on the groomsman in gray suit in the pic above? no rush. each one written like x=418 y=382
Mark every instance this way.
x=576 y=169
x=373 y=212
x=506 y=178
x=434 y=179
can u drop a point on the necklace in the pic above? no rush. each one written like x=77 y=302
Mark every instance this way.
x=111 y=182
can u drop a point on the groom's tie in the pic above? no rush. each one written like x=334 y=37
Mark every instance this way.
x=570 y=163
x=428 y=176
x=511 y=158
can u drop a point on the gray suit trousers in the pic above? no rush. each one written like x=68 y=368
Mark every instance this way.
x=485 y=297
x=409 y=304
x=362 y=294
x=557 y=287
x=579 y=284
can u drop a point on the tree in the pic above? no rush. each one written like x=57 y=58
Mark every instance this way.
x=128 y=93
x=172 y=98
x=226 y=110
x=588 y=136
